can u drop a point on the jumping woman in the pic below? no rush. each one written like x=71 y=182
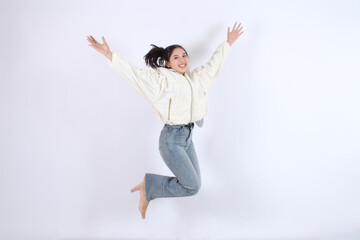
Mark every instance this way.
x=179 y=97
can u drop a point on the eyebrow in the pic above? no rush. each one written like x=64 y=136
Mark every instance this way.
x=178 y=55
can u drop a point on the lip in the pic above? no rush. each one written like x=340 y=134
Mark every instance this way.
x=182 y=65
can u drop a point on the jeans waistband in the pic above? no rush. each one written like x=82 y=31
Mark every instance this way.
x=189 y=125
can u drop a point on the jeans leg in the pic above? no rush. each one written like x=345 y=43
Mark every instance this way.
x=174 y=150
x=194 y=160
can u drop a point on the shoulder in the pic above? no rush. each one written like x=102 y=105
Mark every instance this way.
x=163 y=70
x=168 y=73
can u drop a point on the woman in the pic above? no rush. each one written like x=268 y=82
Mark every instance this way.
x=179 y=98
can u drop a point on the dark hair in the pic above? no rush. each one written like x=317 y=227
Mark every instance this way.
x=158 y=56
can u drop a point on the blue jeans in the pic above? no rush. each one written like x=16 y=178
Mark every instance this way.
x=178 y=152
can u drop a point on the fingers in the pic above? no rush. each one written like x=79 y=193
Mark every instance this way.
x=91 y=43
x=237 y=29
x=235 y=33
x=91 y=40
x=234 y=26
x=96 y=42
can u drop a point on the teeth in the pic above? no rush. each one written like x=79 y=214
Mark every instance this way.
x=182 y=65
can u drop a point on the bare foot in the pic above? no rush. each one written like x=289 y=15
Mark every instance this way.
x=143 y=204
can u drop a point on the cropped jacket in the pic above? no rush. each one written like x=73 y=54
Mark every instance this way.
x=176 y=98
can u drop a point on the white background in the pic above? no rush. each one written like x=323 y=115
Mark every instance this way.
x=279 y=151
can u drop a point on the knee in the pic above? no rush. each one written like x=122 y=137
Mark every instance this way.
x=194 y=188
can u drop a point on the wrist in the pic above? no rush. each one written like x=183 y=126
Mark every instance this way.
x=109 y=55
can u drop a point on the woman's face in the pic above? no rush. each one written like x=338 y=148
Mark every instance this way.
x=178 y=60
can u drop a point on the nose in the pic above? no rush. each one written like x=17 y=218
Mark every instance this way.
x=182 y=60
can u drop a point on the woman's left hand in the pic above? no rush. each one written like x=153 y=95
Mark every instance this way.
x=234 y=34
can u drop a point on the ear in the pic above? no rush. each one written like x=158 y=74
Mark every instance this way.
x=167 y=64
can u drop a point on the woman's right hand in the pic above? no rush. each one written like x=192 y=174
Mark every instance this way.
x=102 y=48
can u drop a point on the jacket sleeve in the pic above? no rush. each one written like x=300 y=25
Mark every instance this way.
x=208 y=72
x=145 y=80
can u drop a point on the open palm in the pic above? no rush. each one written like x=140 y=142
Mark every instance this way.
x=234 y=34
x=102 y=48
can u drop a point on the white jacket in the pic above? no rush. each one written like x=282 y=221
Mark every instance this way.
x=176 y=98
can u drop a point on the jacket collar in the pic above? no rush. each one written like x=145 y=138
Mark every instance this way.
x=186 y=74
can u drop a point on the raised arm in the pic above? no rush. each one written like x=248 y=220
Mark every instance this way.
x=146 y=81
x=208 y=72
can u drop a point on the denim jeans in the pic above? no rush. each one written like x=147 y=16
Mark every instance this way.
x=178 y=152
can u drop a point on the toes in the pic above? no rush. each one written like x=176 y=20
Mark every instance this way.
x=143 y=211
x=137 y=188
